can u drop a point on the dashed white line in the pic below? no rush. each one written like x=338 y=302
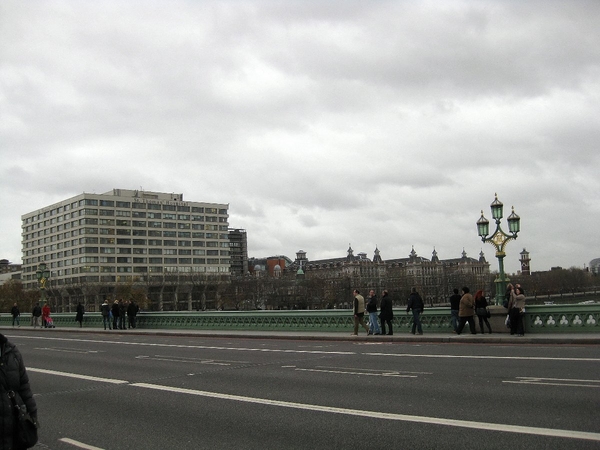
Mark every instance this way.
x=79 y=444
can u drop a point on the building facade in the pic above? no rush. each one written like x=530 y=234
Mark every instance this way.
x=238 y=247
x=124 y=236
x=434 y=278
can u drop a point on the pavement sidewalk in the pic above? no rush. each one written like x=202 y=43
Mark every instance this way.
x=405 y=337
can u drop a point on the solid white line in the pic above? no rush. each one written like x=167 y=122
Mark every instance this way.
x=318 y=352
x=557 y=379
x=387 y=416
x=539 y=383
x=74 y=375
x=201 y=347
x=79 y=444
x=517 y=358
x=568 y=382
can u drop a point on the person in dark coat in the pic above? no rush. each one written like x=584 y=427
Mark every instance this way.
x=16 y=314
x=122 y=313
x=132 y=311
x=481 y=310
x=415 y=302
x=115 y=314
x=372 y=310
x=105 y=309
x=454 y=308
x=387 y=314
x=36 y=314
x=80 y=313
x=13 y=377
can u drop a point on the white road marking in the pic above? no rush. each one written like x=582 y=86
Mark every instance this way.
x=537 y=431
x=318 y=352
x=183 y=360
x=517 y=358
x=201 y=347
x=359 y=371
x=346 y=372
x=555 y=382
x=64 y=350
x=79 y=444
x=74 y=375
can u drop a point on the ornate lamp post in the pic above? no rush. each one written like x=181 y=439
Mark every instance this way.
x=42 y=275
x=499 y=240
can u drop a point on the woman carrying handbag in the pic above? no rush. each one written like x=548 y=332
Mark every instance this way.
x=481 y=310
x=18 y=411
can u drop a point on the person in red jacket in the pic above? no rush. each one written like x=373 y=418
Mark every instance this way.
x=45 y=315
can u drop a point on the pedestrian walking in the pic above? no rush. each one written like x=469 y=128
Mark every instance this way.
x=466 y=311
x=359 y=312
x=16 y=315
x=79 y=315
x=415 y=303
x=372 y=310
x=481 y=310
x=105 y=310
x=387 y=313
x=36 y=314
x=15 y=389
x=454 y=307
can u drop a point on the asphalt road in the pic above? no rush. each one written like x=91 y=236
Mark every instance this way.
x=186 y=392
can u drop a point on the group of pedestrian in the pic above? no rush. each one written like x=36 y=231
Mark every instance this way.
x=114 y=317
x=386 y=314
x=469 y=307
x=40 y=316
x=464 y=308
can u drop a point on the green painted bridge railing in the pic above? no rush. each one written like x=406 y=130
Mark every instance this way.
x=538 y=319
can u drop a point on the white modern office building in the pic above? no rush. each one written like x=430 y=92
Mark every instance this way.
x=124 y=236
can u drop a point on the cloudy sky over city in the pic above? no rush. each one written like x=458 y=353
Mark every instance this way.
x=322 y=124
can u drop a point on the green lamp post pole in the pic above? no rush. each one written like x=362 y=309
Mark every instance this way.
x=42 y=275
x=499 y=240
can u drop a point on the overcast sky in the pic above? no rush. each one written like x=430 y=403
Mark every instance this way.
x=320 y=123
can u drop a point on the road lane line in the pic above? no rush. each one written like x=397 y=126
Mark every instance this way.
x=317 y=352
x=567 y=382
x=369 y=374
x=517 y=358
x=79 y=444
x=557 y=379
x=183 y=360
x=570 y=434
x=65 y=350
x=540 y=383
x=74 y=375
